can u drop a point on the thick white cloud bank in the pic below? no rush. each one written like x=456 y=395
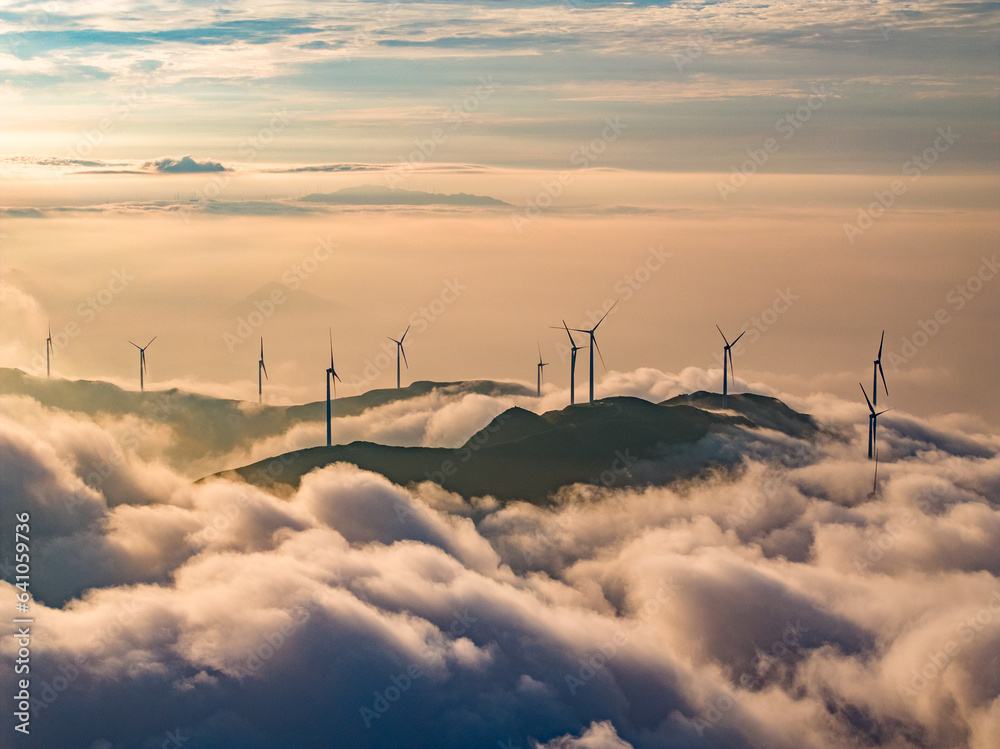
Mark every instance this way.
x=785 y=605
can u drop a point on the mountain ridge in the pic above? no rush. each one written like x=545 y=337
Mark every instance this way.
x=616 y=441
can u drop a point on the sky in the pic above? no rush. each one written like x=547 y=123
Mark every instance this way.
x=840 y=156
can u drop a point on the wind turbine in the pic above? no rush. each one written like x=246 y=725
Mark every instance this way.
x=727 y=364
x=593 y=345
x=48 y=353
x=142 y=361
x=541 y=365
x=261 y=369
x=573 y=348
x=875 y=482
x=331 y=377
x=876 y=371
x=399 y=350
x=872 y=422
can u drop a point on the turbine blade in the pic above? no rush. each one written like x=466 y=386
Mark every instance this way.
x=606 y=314
x=136 y=345
x=572 y=343
x=867 y=399
x=881 y=372
x=738 y=337
x=539 y=354
x=331 y=348
x=880 y=348
x=723 y=335
x=404 y=334
x=265 y=369
x=732 y=369
x=403 y=352
x=592 y=338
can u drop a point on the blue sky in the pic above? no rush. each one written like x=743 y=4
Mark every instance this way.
x=699 y=82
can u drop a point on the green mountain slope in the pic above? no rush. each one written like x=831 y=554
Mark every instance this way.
x=521 y=455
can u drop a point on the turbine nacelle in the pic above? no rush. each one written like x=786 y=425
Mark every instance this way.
x=142 y=360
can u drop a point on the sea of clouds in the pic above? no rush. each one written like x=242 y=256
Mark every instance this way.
x=784 y=604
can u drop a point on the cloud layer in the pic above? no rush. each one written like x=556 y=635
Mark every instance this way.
x=783 y=606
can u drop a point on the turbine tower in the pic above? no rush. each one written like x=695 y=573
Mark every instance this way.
x=727 y=364
x=261 y=369
x=874 y=491
x=48 y=353
x=541 y=365
x=593 y=345
x=573 y=348
x=399 y=350
x=331 y=377
x=872 y=422
x=142 y=362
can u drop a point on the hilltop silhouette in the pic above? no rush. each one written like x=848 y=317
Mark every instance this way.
x=620 y=441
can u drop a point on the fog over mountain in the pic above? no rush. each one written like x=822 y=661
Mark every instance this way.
x=773 y=600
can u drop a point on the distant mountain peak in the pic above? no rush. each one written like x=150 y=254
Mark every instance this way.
x=383 y=195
